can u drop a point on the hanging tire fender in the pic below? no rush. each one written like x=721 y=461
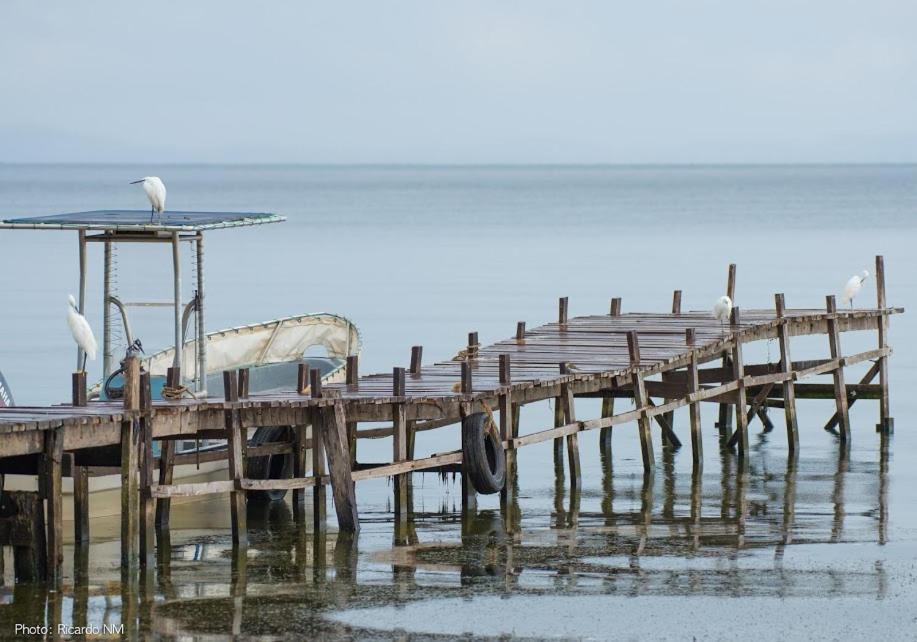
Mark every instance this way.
x=482 y=455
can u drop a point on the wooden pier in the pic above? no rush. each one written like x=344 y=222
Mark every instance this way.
x=654 y=359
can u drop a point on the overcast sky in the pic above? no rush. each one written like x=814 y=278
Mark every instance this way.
x=459 y=82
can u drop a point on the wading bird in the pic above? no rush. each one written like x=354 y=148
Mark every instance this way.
x=854 y=285
x=155 y=191
x=82 y=333
x=722 y=309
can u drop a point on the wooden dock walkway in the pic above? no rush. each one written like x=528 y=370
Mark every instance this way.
x=654 y=359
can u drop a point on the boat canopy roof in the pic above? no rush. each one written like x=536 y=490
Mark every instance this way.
x=139 y=221
x=277 y=341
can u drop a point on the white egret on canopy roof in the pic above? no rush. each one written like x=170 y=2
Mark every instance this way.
x=82 y=333
x=854 y=285
x=156 y=191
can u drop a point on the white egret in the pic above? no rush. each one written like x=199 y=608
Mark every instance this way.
x=156 y=191
x=854 y=285
x=82 y=333
x=722 y=310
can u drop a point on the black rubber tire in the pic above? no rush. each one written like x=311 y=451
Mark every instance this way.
x=271 y=466
x=482 y=456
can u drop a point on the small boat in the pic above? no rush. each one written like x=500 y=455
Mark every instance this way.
x=272 y=351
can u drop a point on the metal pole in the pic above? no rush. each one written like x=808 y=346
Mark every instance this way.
x=106 y=315
x=201 y=338
x=82 y=299
x=176 y=271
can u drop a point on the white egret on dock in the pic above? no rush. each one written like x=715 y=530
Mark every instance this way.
x=82 y=333
x=156 y=191
x=854 y=285
x=722 y=309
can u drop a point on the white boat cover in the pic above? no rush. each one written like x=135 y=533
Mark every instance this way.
x=277 y=341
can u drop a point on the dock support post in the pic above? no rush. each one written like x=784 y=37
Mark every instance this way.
x=697 y=444
x=669 y=417
x=235 y=437
x=399 y=446
x=353 y=381
x=166 y=462
x=886 y=423
x=569 y=413
x=558 y=441
x=608 y=410
x=415 y=368
x=738 y=371
x=319 y=496
x=646 y=436
x=725 y=415
x=80 y=475
x=52 y=470
x=299 y=464
x=789 y=387
x=469 y=496
x=147 y=503
x=506 y=434
x=334 y=437
x=129 y=447
x=840 y=389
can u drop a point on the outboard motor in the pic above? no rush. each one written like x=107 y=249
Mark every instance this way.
x=6 y=397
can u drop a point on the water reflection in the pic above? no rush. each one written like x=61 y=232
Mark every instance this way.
x=730 y=533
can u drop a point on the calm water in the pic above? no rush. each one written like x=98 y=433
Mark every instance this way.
x=424 y=255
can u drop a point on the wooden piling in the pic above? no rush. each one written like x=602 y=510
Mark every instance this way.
x=147 y=503
x=399 y=445
x=235 y=436
x=129 y=453
x=520 y=331
x=615 y=310
x=52 y=469
x=319 y=499
x=471 y=352
x=558 y=441
x=243 y=383
x=605 y=434
x=786 y=366
x=840 y=389
x=506 y=430
x=886 y=423
x=353 y=382
x=562 y=307
x=80 y=475
x=415 y=370
x=302 y=378
x=78 y=389
x=676 y=302
x=738 y=371
x=697 y=443
x=569 y=412
x=166 y=462
x=725 y=413
x=299 y=454
x=640 y=399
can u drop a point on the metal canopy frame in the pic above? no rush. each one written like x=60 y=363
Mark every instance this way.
x=131 y=226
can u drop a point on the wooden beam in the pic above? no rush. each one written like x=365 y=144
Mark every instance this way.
x=319 y=496
x=52 y=470
x=640 y=399
x=147 y=502
x=399 y=447
x=334 y=436
x=697 y=442
x=786 y=365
